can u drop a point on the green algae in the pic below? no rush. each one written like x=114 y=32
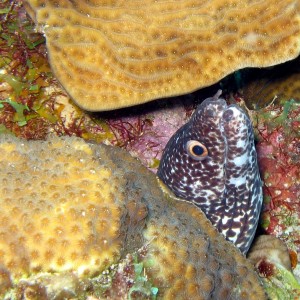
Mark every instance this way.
x=31 y=96
x=282 y=286
x=4 y=10
x=279 y=116
x=19 y=116
x=155 y=163
x=142 y=285
x=14 y=82
x=265 y=221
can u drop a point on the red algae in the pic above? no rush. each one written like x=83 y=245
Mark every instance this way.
x=279 y=159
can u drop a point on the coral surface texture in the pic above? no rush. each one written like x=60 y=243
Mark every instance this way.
x=112 y=54
x=69 y=206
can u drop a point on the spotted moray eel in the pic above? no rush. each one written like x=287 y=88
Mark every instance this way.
x=212 y=162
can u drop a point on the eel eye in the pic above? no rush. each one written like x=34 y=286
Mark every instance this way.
x=196 y=150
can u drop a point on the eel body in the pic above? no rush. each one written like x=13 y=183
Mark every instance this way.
x=212 y=162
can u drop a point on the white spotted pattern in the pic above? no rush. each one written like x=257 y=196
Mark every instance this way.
x=226 y=185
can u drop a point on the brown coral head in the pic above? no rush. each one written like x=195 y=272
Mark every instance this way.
x=112 y=54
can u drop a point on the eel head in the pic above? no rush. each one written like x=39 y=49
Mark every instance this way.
x=212 y=162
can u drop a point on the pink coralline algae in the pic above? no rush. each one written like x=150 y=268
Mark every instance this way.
x=145 y=135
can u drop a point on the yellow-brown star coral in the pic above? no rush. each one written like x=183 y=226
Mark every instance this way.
x=69 y=206
x=77 y=229
x=112 y=54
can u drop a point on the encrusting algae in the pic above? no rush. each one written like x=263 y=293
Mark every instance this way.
x=69 y=206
